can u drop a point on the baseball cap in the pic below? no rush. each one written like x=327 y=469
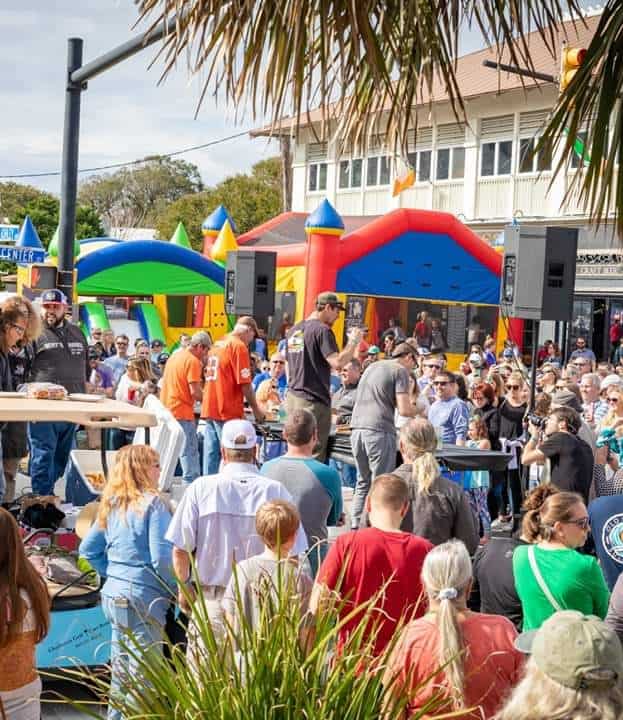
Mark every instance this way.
x=403 y=349
x=156 y=343
x=238 y=435
x=507 y=353
x=329 y=298
x=374 y=350
x=249 y=322
x=575 y=650
x=475 y=359
x=423 y=351
x=611 y=380
x=53 y=296
x=93 y=354
x=162 y=358
x=566 y=398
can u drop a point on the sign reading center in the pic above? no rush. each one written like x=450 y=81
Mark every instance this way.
x=21 y=254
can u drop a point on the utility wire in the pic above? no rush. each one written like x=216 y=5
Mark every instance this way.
x=113 y=166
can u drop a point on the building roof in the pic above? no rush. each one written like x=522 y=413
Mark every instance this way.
x=475 y=80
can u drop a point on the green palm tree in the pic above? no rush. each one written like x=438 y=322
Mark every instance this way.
x=361 y=60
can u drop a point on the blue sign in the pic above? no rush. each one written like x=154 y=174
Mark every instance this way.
x=24 y=255
x=8 y=233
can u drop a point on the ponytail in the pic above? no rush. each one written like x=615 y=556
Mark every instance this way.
x=418 y=442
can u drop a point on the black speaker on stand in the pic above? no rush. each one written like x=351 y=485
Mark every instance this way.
x=250 y=283
x=538 y=278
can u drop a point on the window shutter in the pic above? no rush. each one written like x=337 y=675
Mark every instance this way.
x=316 y=152
x=530 y=123
x=496 y=127
x=452 y=134
x=424 y=139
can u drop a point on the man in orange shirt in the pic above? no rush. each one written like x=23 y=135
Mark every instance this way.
x=181 y=388
x=227 y=385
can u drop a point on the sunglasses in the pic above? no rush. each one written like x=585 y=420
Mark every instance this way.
x=513 y=387
x=122 y=344
x=613 y=400
x=582 y=523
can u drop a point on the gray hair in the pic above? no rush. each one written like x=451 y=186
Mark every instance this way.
x=593 y=379
x=201 y=338
x=446 y=574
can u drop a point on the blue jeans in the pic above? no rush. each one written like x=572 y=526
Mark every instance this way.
x=348 y=473
x=148 y=636
x=50 y=445
x=212 y=446
x=189 y=458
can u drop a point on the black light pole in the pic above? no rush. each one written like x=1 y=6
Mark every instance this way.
x=69 y=171
x=77 y=77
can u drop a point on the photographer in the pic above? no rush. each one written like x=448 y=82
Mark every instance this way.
x=571 y=459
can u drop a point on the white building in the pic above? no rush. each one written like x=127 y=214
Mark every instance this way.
x=481 y=170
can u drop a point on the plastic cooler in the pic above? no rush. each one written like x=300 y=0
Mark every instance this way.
x=78 y=489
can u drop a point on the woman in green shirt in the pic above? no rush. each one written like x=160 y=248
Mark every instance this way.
x=550 y=575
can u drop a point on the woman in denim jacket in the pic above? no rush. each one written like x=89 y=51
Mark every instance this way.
x=127 y=546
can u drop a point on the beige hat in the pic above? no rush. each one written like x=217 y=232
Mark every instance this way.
x=86 y=518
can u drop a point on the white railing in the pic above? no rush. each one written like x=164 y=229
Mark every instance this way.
x=493 y=198
x=532 y=198
x=348 y=203
x=449 y=197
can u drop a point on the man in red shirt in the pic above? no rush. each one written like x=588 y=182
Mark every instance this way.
x=181 y=389
x=227 y=385
x=382 y=557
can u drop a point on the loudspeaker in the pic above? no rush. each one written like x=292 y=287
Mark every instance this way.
x=250 y=283
x=538 y=272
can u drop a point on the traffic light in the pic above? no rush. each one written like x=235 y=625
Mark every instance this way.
x=570 y=63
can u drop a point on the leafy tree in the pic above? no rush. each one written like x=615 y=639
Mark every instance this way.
x=362 y=61
x=14 y=196
x=250 y=199
x=135 y=196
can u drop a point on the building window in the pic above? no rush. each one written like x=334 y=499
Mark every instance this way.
x=350 y=174
x=530 y=160
x=378 y=171
x=496 y=158
x=317 y=177
x=420 y=162
x=450 y=163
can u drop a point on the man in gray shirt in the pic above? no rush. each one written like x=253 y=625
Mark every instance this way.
x=383 y=388
x=316 y=488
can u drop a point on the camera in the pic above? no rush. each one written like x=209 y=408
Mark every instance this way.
x=537 y=420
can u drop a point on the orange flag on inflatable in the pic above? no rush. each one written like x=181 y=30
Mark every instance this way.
x=404 y=182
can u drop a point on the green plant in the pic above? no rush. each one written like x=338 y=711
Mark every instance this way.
x=286 y=666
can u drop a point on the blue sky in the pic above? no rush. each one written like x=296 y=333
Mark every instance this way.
x=125 y=114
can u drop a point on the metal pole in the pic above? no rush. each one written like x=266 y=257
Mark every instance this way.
x=535 y=350
x=69 y=171
x=524 y=72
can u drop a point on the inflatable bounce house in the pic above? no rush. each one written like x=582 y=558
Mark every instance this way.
x=388 y=270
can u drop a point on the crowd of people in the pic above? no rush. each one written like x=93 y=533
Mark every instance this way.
x=494 y=594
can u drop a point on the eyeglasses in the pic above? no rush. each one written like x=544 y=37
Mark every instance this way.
x=582 y=523
x=513 y=387
x=440 y=383
x=121 y=344
x=20 y=329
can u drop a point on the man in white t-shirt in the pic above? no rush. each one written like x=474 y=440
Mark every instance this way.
x=215 y=521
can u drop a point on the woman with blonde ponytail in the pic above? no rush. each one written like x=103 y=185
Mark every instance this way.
x=439 y=509
x=453 y=660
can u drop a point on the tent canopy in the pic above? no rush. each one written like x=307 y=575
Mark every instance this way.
x=148 y=267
